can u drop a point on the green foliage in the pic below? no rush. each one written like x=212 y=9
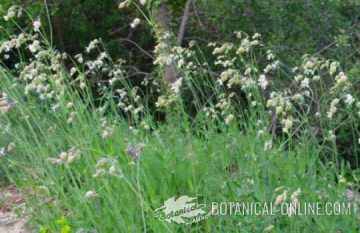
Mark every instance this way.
x=227 y=166
x=76 y=23
x=291 y=27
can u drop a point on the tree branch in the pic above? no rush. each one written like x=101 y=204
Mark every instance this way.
x=184 y=21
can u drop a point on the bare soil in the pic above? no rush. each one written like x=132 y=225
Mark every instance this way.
x=12 y=210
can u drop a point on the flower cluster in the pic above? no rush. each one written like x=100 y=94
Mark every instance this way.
x=220 y=109
x=14 y=11
x=67 y=157
x=306 y=95
x=44 y=73
x=134 y=151
x=15 y=42
x=283 y=197
x=177 y=56
x=107 y=165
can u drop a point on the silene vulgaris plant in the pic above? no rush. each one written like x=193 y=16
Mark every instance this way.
x=97 y=150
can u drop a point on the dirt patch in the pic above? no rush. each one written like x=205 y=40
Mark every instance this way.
x=12 y=210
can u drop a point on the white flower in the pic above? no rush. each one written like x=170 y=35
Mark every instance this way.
x=35 y=46
x=73 y=70
x=296 y=194
x=309 y=65
x=102 y=162
x=177 y=85
x=11 y=147
x=181 y=62
x=143 y=2
x=270 y=103
x=112 y=169
x=341 y=79
x=298 y=97
x=90 y=194
x=79 y=58
x=37 y=25
x=64 y=156
x=269 y=228
x=288 y=124
x=270 y=55
x=333 y=68
x=332 y=111
x=342 y=179
x=305 y=83
x=10 y=14
x=256 y=36
x=332 y=136
x=263 y=83
x=6 y=105
x=135 y=22
x=268 y=145
x=349 y=100
x=124 y=4
x=335 y=102
x=281 y=198
x=254 y=42
x=54 y=161
x=91 y=46
x=260 y=133
x=71 y=158
x=2 y=151
x=298 y=78
x=316 y=78
x=279 y=110
x=69 y=105
x=82 y=85
x=229 y=119
x=107 y=133
x=70 y=120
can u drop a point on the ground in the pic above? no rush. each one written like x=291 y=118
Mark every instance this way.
x=12 y=217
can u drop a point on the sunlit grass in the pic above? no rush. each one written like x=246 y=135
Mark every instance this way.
x=176 y=160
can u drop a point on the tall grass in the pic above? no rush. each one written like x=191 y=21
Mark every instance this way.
x=105 y=164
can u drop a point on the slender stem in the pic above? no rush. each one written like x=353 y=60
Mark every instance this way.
x=49 y=19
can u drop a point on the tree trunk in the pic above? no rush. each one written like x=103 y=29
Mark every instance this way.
x=162 y=19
